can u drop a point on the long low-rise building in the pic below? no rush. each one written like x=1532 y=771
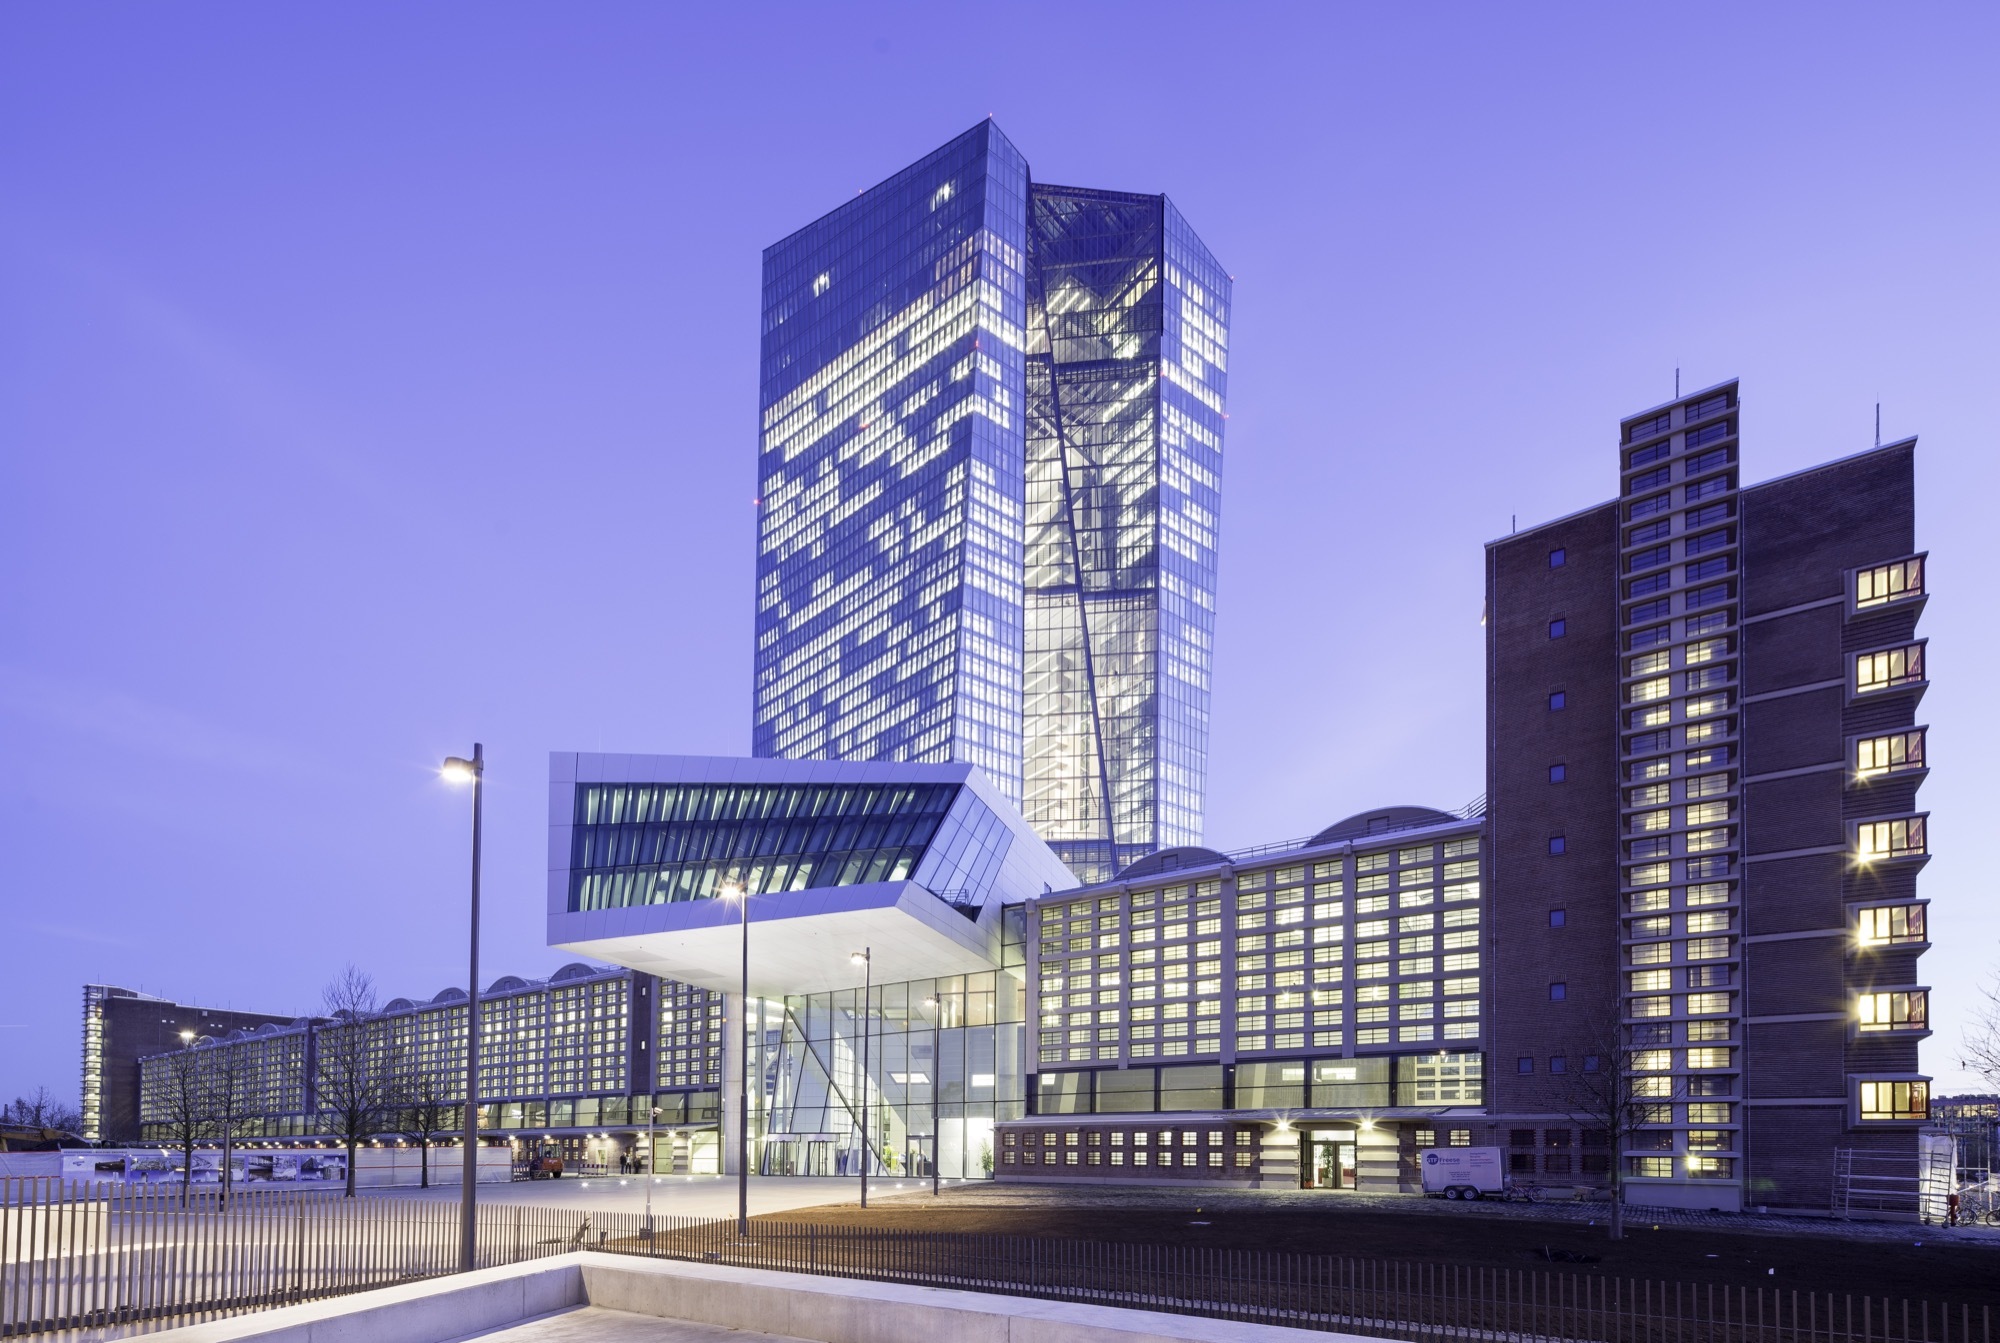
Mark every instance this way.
x=123 y=1026
x=590 y=1058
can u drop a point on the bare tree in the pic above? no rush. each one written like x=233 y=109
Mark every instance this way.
x=1618 y=1094
x=42 y=1110
x=425 y=1109
x=1980 y=1046
x=229 y=1075
x=356 y=1066
x=179 y=1105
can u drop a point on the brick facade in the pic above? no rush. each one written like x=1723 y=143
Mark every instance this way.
x=1527 y=589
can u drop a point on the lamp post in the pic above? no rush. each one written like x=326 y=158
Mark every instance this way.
x=865 y=958
x=187 y=1042
x=652 y=1165
x=471 y=771
x=733 y=888
x=936 y=1005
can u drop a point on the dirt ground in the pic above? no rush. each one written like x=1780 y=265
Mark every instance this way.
x=1791 y=1257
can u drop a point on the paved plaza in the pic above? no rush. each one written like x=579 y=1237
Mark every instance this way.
x=698 y=1196
x=988 y=1195
x=714 y=1196
x=598 y=1325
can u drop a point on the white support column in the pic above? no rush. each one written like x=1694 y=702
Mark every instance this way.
x=732 y=1075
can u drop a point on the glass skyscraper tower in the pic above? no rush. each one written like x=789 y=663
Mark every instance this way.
x=991 y=445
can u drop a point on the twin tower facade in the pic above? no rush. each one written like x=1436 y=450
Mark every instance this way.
x=989 y=467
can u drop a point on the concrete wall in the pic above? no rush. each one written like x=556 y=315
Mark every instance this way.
x=420 y=1312
x=402 y=1167
x=789 y=1305
x=39 y=1231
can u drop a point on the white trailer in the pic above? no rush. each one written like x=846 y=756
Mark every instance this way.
x=1462 y=1172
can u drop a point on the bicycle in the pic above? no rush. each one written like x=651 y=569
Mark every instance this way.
x=1978 y=1207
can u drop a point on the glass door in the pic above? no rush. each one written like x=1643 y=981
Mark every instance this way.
x=1329 y=1161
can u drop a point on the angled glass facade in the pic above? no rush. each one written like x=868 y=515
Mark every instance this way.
x=890 y=472
x=1127 y=332
x=991 y=453
x=662 y=835
x=944 y=1066
x=654 y=844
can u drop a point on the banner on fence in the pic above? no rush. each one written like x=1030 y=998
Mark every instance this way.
x=157 y=1165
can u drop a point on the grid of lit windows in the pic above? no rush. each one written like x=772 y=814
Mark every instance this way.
x=1188 y=1151
x=1150 y=961
x=1681 y=799
x=92 y=1099
x=513 y=1045
x=587 y=1036
x=542 y=1042
x=891 y=473
x=689 y=1046
x=265 y=1068
x=1887 y=756
x=990 y=464
x=1343 y=951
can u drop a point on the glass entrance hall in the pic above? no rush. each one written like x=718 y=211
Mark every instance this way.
x=943 y=1065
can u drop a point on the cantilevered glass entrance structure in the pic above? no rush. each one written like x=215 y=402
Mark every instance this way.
x=925 y=868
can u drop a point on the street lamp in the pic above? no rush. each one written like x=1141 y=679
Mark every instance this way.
x=652 y=1165
x=865 y=958
x=473 y=771
x=937 y=1080
x=732 y=888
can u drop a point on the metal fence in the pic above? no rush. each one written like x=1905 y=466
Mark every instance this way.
x=90 y=1257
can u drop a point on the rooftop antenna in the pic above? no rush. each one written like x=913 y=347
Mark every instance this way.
x=1677 y=384
x=1878 y=424
x=1513 y=523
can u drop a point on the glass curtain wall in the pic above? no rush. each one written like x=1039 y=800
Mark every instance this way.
x=1127 y=334
x=889 y=537
x=943 y=1064
x=651 y=844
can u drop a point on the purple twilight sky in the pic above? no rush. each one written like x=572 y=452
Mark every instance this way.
x=375 y=378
